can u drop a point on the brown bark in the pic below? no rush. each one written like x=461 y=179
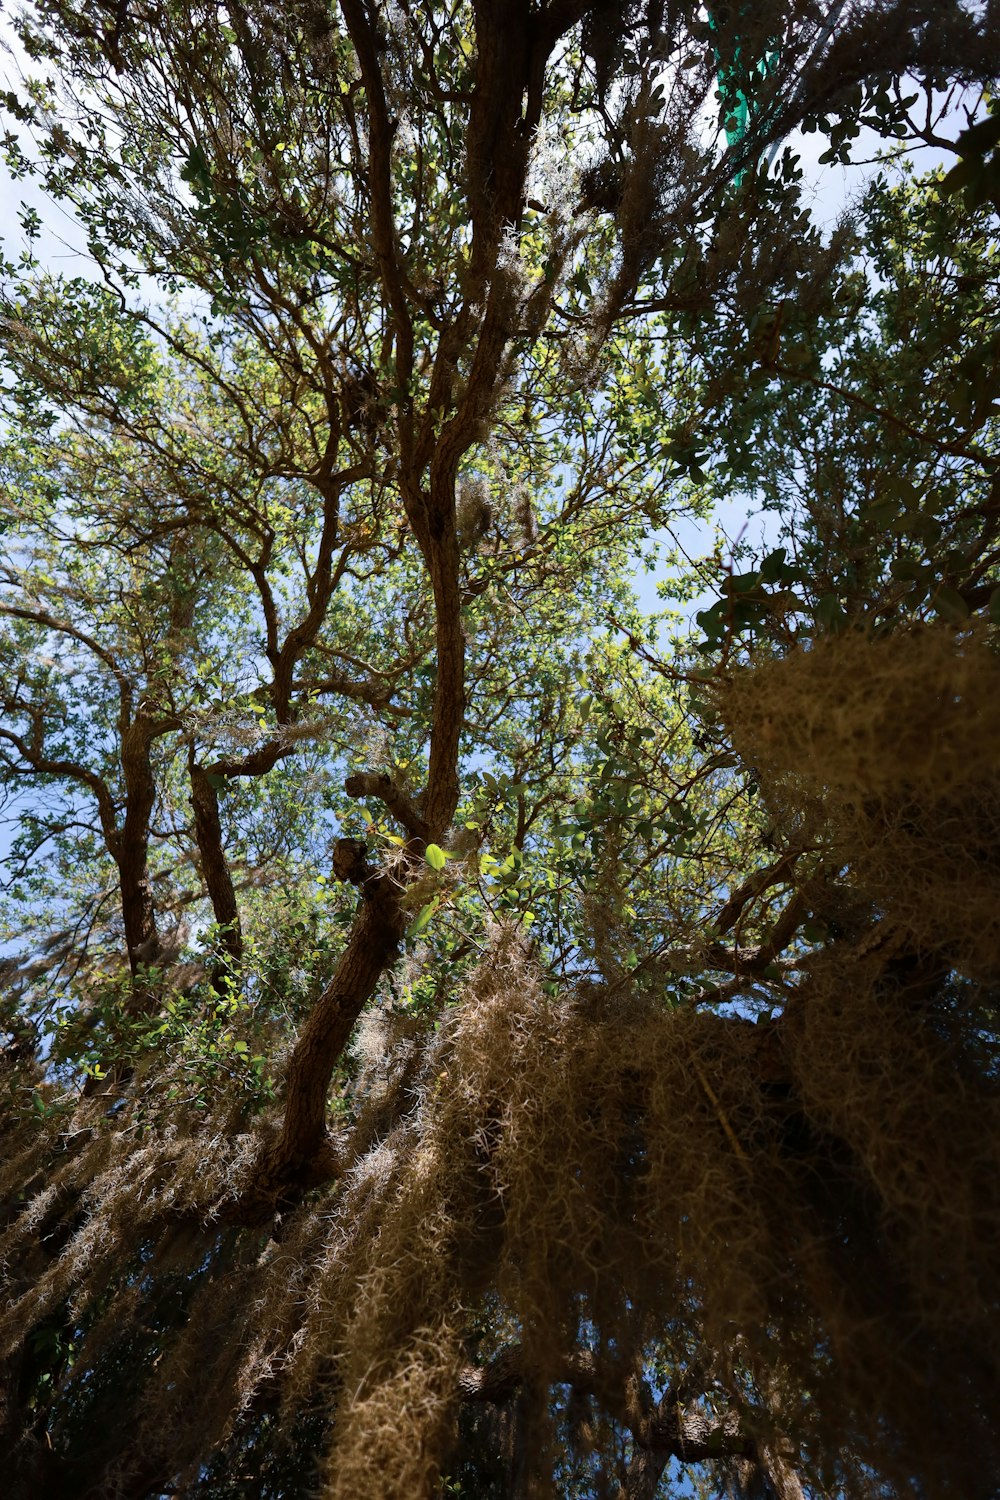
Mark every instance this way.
x=131 y=846
x=449 y=697
x=386 y=241
x=379 y=784
x=660 y=1431
x=673 y=1427
x=214 y=865
x=303 y=1154
x=767 y=1473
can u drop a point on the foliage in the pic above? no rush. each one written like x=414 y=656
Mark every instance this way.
x=464 y=1035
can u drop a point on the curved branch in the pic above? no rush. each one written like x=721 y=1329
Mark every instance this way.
x=379 y=784
x=303 y=1155
x=63 y=627
x=214 y=865
x=667 y=1429
x=380 y=134
x=39 y=764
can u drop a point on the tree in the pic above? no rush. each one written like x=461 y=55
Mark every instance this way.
x=455 y=1044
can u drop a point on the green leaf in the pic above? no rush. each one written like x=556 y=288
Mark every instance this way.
x=423 y=918
x=771 y=567
x=949 y=604
x=435 y=856
x=829 y=612
x=983 y=136
x=743 y=583
x=881 y=512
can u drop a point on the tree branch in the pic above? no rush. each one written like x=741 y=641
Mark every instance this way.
x=303 y=1155
x=37 y=763
x=667 y=1429
x=379 y=784
x=214 y=865
x=753 y=886
x=64 y=627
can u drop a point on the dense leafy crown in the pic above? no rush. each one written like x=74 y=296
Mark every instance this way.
x=463 y=1034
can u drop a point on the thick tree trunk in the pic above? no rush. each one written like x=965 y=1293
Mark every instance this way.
x=302 y=1153
x=132 y=848
x=214 y=865
x=141 y=937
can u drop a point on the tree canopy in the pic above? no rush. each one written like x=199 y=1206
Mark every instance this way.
x=466 y=1033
